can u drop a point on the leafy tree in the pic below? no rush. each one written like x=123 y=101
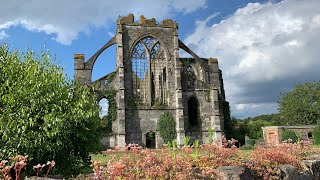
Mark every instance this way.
x=45 y=115
x=316 y=134
x=240 y=130
x=254 y=128
x=301 y=106
x=166 y=126
x=289 y=134
x=228 y=122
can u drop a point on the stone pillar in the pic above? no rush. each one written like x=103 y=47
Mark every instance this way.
x=121 y=130
x=215 y=119
x=178 y=93
x=81 y=74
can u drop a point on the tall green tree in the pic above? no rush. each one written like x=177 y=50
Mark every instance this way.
x=301 y=106
x=166 y=126
x=228 y=122
x=45 y=115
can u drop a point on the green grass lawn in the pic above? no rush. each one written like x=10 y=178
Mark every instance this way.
x=316 y=146
x=106 y=156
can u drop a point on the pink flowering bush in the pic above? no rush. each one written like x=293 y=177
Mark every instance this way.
x=200 y=161
x=19 y=163
x=146 y=164
x=266 y=160
x=194 y=162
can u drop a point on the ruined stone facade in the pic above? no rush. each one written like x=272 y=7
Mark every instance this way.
x=272 y=134
x=151 y=79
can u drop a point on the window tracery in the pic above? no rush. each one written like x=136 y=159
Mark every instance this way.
x=191 y=77
x=148 y=67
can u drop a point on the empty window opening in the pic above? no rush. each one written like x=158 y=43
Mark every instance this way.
x=148 y=62
x=106 y=122
x=310 y=135
x=193 y=112
x=104 y=105
x=191 y=77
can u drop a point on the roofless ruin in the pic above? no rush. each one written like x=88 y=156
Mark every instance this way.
x=150 y=79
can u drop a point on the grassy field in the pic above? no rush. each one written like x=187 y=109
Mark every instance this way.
x=316 y=146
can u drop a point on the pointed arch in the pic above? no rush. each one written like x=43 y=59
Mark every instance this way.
x=91 y=61
x=149 y=61
x=193 y=112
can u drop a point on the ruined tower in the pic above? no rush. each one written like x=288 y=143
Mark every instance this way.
x=151 y=78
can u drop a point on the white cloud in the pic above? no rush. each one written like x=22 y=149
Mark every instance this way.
x=65 y=19
x=264 y=49
x=254 y=109
x=104 y=104
x=3 y=35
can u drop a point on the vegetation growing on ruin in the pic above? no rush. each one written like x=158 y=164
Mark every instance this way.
x=110 y=94
x=166 y=126
x=186 y=61
x=289 y=134
x=316 y=134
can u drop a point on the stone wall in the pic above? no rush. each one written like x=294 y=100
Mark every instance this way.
x=272 y=134
x=311 y=171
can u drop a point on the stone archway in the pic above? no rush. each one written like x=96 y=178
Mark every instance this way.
x=151 y=140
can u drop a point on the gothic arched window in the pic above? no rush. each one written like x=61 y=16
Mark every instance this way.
x=191 y=77
x=148 y=66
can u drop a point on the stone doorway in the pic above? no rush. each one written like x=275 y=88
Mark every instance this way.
x=151 y=140
x=193 y=112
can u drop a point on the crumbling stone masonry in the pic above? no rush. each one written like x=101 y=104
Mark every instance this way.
x=272 y=134
x=151 y=78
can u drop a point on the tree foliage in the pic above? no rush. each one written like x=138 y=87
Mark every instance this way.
x=289 y=134
x=228 y=122
x=166 y=126
x=301 y=106
x=251 y=127
x=316 y=134
x=45 y=115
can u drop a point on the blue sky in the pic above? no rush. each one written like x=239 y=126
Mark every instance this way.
x=264 y=47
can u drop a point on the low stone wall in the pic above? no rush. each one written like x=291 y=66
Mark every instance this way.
x=288 y=172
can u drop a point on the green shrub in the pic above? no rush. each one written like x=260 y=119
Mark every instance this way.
x=289 y=134
x=166 y=126
x=44 y=115
x=316 y=135
x=250 y=142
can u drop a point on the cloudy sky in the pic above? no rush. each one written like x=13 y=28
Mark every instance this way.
x=264 y=47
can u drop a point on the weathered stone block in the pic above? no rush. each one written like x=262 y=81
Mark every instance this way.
x=313 y=167
x=235 y=173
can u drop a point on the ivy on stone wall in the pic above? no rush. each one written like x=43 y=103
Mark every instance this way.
x=186 y=61
x=110 y=94
x=110 y=76
x=166 y=126
x=132 y=102
x=228 y=123
x=207 y=96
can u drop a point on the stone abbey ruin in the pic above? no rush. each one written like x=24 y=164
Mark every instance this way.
x=150 y=79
